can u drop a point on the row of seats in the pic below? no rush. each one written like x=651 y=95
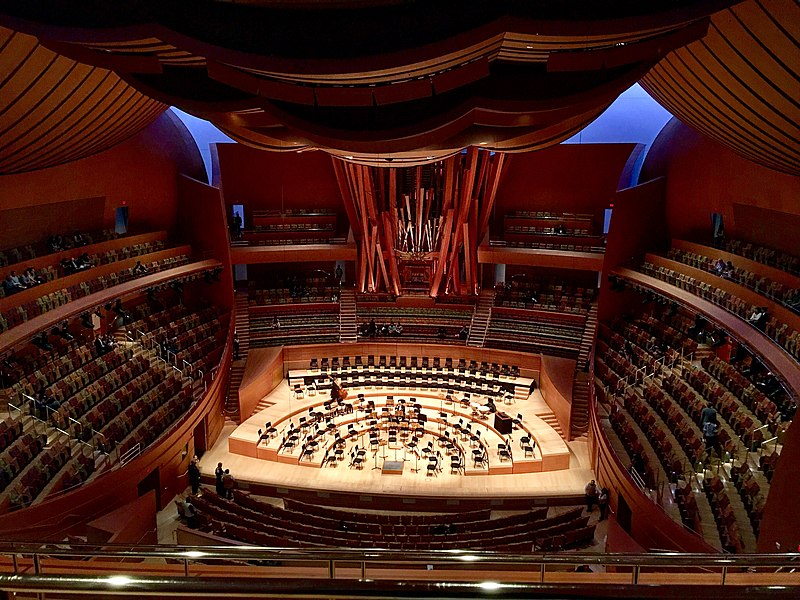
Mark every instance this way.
x=36 y=477
x=256 y=522
x=548 y=296
x=768 y=256
x=295 y=324
x=10 y=256
x=788 y=296
x=533 y=230
x=418 y=324
x=538 y=334
x=20 y=314
x=785 y=336
x=311 y=292
x=413 y=362
x=589 y=247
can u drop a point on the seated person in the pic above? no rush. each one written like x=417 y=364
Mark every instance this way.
x=719 y=266
x=12 y=283
x=84 y=261
x=729 y=270
x=78 y=239
x=759 y=317
x=139 y=268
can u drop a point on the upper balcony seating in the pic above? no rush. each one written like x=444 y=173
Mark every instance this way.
x=774 y=290
x=551 y=231
x=769 y=256
x=11 y=256
x=23 y=312
x=780 y=332
x=313 y=290
x=249 y=520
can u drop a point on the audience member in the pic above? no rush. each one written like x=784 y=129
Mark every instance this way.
x=194 y=475
x=590 y=494
x=602 y=502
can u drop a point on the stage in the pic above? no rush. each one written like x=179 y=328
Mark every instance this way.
x=555 y=469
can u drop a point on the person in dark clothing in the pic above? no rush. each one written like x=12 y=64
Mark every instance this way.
x=228 y=483
x=235 y=346
x=219 y=472
x=710 y=430
x=602 y=502
x=194 y=475
x=709 y=413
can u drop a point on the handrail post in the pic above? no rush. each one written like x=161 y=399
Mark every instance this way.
x=15 y=563
x=541 y=572
x=363 y=569
x=185 y=567
x=635 y=575
x=331 y=569
x=724 y=574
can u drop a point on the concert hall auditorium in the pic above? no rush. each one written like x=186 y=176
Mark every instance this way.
x=399 y=299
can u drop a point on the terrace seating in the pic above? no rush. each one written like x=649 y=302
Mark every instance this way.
x=785 y=294
x=36 y=306
x=780 y=332
x=768 y=256
x=10 y=256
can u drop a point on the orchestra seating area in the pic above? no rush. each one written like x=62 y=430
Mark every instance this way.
x=247 y=519
x=784 y=334
x=80 y=407
x=662 y=380
x=443 y=322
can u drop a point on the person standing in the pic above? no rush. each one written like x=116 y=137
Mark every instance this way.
x=228 y=483
x=590 y=492
x=194 y=475
x=710 y=430
x=219 y=472
x=602 y=502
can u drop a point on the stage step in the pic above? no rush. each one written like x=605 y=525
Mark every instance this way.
x=587 y=340
x=579 y=418
x=552 y=421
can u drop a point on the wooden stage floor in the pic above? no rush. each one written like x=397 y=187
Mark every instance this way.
x=284 y=478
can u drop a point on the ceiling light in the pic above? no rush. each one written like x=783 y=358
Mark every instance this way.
x=349 y=157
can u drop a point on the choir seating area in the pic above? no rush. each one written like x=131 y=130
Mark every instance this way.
x=289 y=324
x=658 y=379
x=544 y=295
x=540 y=331
x=249 y=520
x=443 y=322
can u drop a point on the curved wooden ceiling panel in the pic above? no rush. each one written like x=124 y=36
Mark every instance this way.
x=54 y=110
x=740 y=84
x=403 y=80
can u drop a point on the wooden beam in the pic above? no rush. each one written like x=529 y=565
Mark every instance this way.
x=389 y=240
x=449 y=219
x=491 y=193
x=347 y=198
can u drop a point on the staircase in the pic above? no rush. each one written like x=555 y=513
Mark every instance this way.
x=480 y=319
x=550 y=418
x=242 y=315
x=579 y=417
x=589 y=333
x=348 y=324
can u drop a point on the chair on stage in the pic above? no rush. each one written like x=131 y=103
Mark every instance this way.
x=455 y=464
x=314 y=365
x=517 y=422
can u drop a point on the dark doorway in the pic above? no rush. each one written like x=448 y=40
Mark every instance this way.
x=623 y=514
x=151 y=483
x=200 y=438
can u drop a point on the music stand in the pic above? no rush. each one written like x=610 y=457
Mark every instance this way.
x=375 y=455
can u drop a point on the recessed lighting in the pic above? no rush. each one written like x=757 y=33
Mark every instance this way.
x=529 y=47
x=483 y=143
x=349 y=157
x=119 y=580
x=428 y=158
